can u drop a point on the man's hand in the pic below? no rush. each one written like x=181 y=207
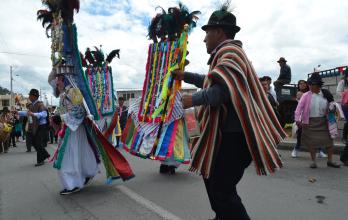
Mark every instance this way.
x=30 y=113
x=178 y=74
x=187 y=101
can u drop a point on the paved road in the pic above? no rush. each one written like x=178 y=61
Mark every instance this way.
x=28 y=192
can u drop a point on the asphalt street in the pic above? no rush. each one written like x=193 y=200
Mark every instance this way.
x=294 y=192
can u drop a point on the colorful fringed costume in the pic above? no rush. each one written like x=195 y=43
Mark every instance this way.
x=156 y=128
x=231 y=66
x=99 y=80
x=82 y=145
x=237 y=122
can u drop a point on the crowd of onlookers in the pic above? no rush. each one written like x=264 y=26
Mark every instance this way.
x=316 y=115
x=13 y=129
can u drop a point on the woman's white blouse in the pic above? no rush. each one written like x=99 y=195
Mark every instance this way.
x=318 y=105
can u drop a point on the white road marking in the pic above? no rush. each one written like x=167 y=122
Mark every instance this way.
x=148 y=204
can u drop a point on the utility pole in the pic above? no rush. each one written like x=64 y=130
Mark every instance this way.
x=11 y=99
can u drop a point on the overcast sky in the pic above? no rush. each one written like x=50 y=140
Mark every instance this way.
x=305 y=32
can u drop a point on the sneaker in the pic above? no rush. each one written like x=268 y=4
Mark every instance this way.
x=67 y=192
x=294 y=153
x=321 y=154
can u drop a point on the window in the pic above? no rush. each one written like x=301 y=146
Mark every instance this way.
x=6 y=102
x=132 y=95
x=124 y=96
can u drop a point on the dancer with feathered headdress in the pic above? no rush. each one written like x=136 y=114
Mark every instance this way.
x=156 y=128
x=82 y=146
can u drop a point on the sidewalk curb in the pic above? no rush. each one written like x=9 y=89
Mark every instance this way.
x=289 y=143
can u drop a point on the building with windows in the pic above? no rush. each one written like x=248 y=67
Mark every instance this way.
x=5 y=101
x=19 y=100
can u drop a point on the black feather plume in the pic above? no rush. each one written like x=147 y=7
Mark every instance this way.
x=89 y=57
x=112 y=55
x=170 y=25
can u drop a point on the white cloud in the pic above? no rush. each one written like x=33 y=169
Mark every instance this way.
x=307 y=33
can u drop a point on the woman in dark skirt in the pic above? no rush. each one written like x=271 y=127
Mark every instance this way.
x=311 y=115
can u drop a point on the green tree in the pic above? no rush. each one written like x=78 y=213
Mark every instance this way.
x=4 y=91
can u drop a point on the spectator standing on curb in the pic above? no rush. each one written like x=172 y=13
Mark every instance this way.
x=5 y=132
x=271 y=88
x=302 y=87
x=311 y=114
x=342 y=91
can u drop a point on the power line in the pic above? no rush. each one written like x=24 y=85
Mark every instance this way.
x=23 y=54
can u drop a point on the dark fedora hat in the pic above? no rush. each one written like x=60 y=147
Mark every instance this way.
x=282 y=59
x=34 y=92
x=222 y=18
x=315 y=79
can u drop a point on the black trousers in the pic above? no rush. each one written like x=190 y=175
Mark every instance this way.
x=228 y=169
x=28 y=140
x=13 y=139
x=52 y=136
x=38 y=143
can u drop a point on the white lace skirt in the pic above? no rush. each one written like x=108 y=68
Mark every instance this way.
x=78 y=161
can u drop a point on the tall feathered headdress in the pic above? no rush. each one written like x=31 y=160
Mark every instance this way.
x=96 y=57
x=169 y=25
x=55 y=8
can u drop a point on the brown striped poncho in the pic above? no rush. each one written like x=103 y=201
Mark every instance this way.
x=262 y=130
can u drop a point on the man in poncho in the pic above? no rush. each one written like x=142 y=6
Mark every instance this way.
x=236 y=121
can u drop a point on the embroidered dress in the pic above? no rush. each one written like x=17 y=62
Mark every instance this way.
x=79 y=161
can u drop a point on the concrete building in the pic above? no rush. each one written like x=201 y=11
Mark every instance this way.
x=5 y=101
x=19 y=100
